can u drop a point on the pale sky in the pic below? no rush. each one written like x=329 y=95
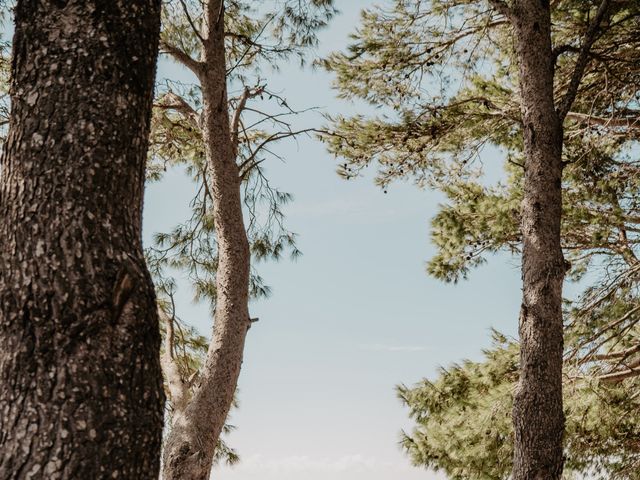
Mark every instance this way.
x=353 y=317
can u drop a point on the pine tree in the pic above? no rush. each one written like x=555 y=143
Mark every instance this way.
x=463 y=420
x=223 y=44
x=602 y=350
x=80 y=381
x=445 y=74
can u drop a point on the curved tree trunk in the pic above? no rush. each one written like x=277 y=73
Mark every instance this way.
x=537 y=413
x=80 y=384
x=196 y=429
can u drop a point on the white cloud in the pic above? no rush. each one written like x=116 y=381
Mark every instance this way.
x=304 y=463
x=305 y=467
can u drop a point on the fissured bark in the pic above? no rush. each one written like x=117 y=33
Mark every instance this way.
x=80 y=383
x=537 y=413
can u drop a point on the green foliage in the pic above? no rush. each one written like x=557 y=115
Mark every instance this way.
x=477 y=221
x=256 y=38
x=599 y=222
x=463 y=420
x=441 y=86
x=442 y=79
x=464 y=417
x=442 y=76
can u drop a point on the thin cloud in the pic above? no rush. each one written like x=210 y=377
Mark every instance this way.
x=380 y=347
x=307 y=464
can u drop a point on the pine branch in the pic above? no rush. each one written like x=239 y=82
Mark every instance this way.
x=182 y=57
x=632 y=370
x=631 y=123
x=175 y=383
x=583 y=59
x=172 y=101
x=190 y=20
x=601 y=332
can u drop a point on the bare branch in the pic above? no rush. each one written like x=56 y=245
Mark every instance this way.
x=630 y=123
x=621 y=354
x=250 y=162
x=632 y=370
x=235 y=122
x=190 y=20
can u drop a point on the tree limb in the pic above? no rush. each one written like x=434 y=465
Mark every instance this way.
x=250 y=162
x=631 y=123
x=620 y=354
x=581 y=63
x=182 y=57
x=235 y=121
x=175 y=383
x=632 y=370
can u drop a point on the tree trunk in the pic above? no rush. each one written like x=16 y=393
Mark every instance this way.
x=195 y=431
x=537 y=413
x=80 y=384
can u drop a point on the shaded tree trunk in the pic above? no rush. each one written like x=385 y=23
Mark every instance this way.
x=196 y=429
x=537 y=413
x=80 y=384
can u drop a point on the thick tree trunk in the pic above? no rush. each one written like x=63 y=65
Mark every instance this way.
x=80 y=384
x=537 y=413
x=195 y=431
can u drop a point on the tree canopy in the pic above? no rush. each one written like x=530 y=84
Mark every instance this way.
x=440 y=83
x=258 y=39
x=443 y=78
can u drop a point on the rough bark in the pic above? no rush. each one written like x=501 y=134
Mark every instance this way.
x=80 y=382
x=537 y=413
x=196 y=429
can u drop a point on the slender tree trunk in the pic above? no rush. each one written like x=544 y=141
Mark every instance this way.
x=80 y=384
x=195 y=431
x=537 y=413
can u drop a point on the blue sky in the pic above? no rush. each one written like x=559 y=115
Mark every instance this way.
x=353 y=317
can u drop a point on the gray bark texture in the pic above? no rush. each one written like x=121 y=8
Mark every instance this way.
x=80 y=382
x=537 y=413
x=195 y=430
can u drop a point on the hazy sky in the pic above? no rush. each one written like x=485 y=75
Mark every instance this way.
x=353 y=317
